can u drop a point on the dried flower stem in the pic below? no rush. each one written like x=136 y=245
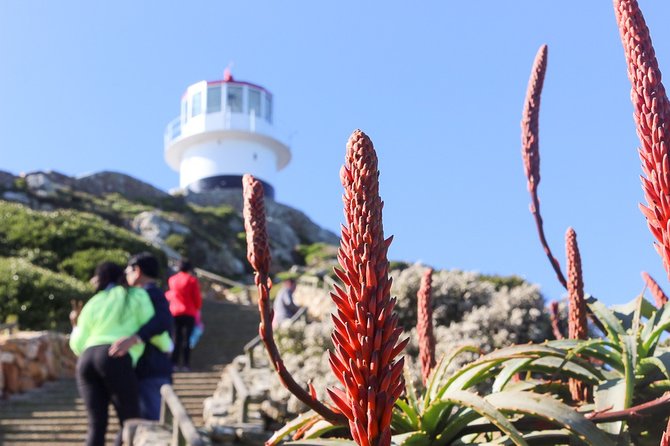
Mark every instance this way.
x=659 y=296
x=651 y=118
x=530 y=149
x=258 y=254
x=577 y=327
x=555 y=320
x=424 y=325
x=365 y=335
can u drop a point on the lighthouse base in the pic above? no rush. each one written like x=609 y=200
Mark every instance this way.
x=226 y=182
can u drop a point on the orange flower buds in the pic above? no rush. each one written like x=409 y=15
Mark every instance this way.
x=424 y=326
x=651 y=112
x=659 y=296
x=577 y=326
x=365 y=332
x=530 y=149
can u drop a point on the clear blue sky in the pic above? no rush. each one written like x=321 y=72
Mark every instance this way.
x=438 y=85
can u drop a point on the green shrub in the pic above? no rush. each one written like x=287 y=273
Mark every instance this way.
x=39 y=297
x=49 y=238
x=178 y=243
x=316 y=253
x=82 y=263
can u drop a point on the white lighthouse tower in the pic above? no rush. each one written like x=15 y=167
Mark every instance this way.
x=224 y=131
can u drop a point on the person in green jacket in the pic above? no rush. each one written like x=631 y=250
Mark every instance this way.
x=113 y=312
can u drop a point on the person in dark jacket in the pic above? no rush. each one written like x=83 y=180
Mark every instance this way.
x=154 y=367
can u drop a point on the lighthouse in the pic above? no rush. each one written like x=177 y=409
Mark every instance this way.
x=225 y=129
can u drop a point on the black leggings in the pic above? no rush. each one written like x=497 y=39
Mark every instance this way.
x=183 y=328
x=103 y=379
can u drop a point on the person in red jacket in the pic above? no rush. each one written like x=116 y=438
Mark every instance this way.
x=185 y=302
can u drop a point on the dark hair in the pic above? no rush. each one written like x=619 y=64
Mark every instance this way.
x=185 y=265
x=107 y=273
x=147 y=263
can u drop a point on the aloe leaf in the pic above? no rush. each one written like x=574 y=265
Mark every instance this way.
x=540 y=438
x=510 y=369
x=323 y=442
x=629 y=344
x=646 y=365
x=551 y=410
x=410 y=391
x=438 y=374
x=456 y=423
x=292 y=426
x=433 y=416
x=611 y=395
x=629 y=314
x=319 y=429
x=553 y=365
x=487 y=410
x=606 y=318
x=409 y=412
x=651 y=333
x=400 y=423
x=416 y=438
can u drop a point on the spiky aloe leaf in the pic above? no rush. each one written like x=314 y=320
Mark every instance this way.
x=654 y=328
x=301 y=420
x=611 y=394
x=629 y=344
x=554 y=366
x=320 y=428
x=601 y=349
x=511 y=368
x=410 y=391
x=484 y=408
x=323 y=442
x=660 y=362
x=629 y=312
x=416 y=438
x=401 y=423
x=408 y=412
x=434 y=416
x=479 y=370
x=551 y=410
x=539 y=438
x=607 y=319
x=436 y=378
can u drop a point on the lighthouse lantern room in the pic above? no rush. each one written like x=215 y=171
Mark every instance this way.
x=224 y=131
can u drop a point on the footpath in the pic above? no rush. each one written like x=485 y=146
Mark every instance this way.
x=55 y=415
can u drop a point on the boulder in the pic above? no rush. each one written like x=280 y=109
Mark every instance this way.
x=106 y=182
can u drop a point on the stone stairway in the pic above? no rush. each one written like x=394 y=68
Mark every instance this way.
x=55 y=415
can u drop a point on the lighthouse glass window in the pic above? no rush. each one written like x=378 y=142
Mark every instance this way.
x=214 y=99
x=234 y=99
x=196 y=105
x=268 y=107
x=255 y=102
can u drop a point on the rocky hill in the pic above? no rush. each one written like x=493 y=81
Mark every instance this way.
x=55 y=228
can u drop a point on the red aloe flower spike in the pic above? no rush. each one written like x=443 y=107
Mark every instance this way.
x=577 y=310
x=530 y=149
x=258 y=254
x=659 y=296
x=555 y=320
x=424 y=325
x=651 y=113
x=665 y=441
x=370 y=371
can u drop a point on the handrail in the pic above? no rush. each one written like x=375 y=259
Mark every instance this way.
x=174 y=415
x=217 y=278
x=9 y=327
x=249 y=346
x=239 y=393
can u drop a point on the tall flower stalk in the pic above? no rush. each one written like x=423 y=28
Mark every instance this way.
x=651 y=112
x=424 y=325
x=555 y=318
x=530 y=149
x=366 y=332
x=258 y=255
x=659 y=296
x=577 y=326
